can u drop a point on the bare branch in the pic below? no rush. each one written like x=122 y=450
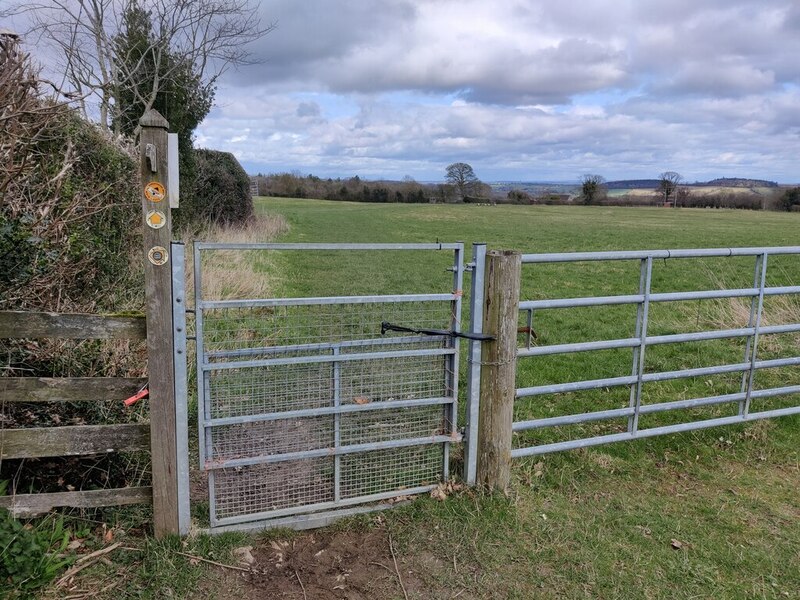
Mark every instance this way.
x=208 y=35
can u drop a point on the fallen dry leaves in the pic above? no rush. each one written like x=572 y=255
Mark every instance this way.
x=443 y=490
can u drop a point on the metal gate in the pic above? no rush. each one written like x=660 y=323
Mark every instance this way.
x=742 y=405
x=310 y=408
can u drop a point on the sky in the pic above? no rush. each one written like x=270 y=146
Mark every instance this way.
x=522 y=90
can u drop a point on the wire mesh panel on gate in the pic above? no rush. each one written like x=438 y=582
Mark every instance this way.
x=306 y=404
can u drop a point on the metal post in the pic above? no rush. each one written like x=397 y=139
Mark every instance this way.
x=181 y=396
x=203 y=395
x=759 y=312
x=637 y=334
x=751 y=321
x=451 y=410
x=337 y=400
x=199 y=355
x=643 y=344
x=474 y=363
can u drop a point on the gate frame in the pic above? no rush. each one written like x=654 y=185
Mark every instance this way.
x=306 y=516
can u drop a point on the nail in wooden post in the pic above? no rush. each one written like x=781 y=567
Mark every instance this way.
x=158 y=290
x=499 y=366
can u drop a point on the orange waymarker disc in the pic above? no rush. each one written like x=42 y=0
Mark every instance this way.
x=156 y=219
x=154 y=192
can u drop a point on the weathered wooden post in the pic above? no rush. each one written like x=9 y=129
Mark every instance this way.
x=158 y=291
x=499 y=367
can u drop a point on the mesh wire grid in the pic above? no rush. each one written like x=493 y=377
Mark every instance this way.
x=312 y=331
x=268 y=438
x=248 y=328
x=395 y=469
x=264 y=488
x=279 y=388
x=259 y=489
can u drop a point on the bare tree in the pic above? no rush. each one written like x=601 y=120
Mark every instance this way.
x=592 y=188
x=668 y=182
x=462 y=177
x=208 y=35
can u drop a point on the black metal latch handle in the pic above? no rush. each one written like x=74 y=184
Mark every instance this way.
x=481 y=337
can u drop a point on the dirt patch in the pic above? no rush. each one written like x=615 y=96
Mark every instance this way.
x=352 y=565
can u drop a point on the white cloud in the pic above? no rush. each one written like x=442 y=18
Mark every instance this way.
x=527 y=89
x=519 y=88
x=640 y=138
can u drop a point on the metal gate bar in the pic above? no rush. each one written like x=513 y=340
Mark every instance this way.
x=642 y=340
x=240 y=439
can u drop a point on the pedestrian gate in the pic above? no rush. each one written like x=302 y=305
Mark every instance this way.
x=310 y=408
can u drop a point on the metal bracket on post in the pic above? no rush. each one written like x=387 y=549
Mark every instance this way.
x=474 y=363
x=152 y=157
x=181 y=393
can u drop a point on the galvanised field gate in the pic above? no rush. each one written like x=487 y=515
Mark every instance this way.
x=625 y=421
x=312 y=407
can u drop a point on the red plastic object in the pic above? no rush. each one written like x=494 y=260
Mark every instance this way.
x=137 y=396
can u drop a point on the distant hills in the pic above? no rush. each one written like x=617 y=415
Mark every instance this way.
x=632 y=184
x=637 y=184
x=628 y=187
x=738 y=182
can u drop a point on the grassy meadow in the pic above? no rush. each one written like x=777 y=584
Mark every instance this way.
x=707 y=514
x=583 y=523
x=559 y=229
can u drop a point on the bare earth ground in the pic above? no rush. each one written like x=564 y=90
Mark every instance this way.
x=352 y=565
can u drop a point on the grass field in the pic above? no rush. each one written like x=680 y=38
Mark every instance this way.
x=632 y=476
x=554 y=229
x=699 y=191
x=708 y=514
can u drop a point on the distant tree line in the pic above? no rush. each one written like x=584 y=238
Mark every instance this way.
x=669 y=191
x=686 y=197
x=462 y=186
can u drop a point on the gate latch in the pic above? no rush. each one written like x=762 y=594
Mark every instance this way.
x=481 y=337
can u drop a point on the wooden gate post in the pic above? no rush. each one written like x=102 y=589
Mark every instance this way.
x=160 y=341
x=499 y=367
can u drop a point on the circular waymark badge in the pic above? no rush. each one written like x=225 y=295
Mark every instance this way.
x=154 y=191
x=156 y=219
x=158 y=255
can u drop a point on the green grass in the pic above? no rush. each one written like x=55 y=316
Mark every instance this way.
x=556 y=229
x=597 y=523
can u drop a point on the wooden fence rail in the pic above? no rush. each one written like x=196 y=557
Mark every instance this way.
x=21 y=324
x=68 y=389
x=31 y=505
x=158 y=196
x=74 y=440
